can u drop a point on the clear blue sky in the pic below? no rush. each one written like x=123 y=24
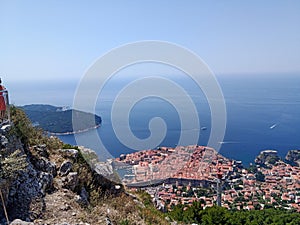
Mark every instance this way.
x=56 y=39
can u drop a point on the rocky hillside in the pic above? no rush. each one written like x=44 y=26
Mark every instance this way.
x=44 y=181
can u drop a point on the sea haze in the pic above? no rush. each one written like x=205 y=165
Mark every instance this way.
x=262 y=113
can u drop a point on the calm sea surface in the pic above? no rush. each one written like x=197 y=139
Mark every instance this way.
x=263 y=112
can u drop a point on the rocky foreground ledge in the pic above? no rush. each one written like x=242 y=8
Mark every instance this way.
x=44 y=181
x=45 y=186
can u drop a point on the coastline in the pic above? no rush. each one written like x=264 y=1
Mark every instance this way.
x=74 y=132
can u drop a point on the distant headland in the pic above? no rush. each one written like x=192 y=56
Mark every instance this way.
x=58 y=120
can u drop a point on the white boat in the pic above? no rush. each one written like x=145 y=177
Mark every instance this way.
x=273 y=126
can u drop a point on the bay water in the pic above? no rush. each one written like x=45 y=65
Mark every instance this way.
x=263 y=112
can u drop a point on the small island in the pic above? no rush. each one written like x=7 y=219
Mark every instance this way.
x=58 y=120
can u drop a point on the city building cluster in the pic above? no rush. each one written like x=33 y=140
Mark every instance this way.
x=184 y=175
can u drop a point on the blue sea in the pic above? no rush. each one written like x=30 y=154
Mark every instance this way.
x=263 y=112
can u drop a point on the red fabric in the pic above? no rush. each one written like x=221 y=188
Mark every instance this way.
x=2 y=100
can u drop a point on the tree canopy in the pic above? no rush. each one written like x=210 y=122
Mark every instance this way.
x=219 y=215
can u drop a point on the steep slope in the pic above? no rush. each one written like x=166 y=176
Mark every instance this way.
x=44 y=181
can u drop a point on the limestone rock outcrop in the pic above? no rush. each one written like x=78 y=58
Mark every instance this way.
x=293 y=156
x=37 y=181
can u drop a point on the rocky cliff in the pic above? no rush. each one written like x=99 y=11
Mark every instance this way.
x=293 y=156
x=270 y=157
x=267 y=157
x=44 y=181
x=33 y=175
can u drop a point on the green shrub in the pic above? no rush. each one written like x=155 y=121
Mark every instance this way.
x=29 y=135
x=11 y=165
